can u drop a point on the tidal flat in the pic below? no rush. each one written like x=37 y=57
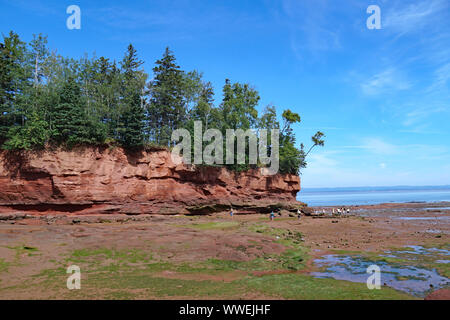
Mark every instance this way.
x=219 y=257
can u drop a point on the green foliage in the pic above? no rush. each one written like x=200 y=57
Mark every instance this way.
x=131 y=117
x=34 y=135
x=167 y=109
x=317 y=140
x=48 y=99
x=238 y=111
x=239 y=106
x=291 y=158
x=14 y=77
x=131 y=123
x=72 y=125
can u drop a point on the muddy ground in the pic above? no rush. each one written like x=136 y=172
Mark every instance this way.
x=208 y=257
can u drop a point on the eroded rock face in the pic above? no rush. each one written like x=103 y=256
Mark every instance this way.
x=106 y=180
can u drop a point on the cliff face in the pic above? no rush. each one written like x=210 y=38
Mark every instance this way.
x=93 y=181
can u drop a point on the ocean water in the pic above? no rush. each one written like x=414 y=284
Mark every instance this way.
x=375 y=195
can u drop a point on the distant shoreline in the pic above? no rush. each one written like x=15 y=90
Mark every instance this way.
x=375 y=188
x=373 y=196
x=389 y=205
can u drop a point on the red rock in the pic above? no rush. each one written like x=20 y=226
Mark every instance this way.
x=91 y=180
x=441 y=294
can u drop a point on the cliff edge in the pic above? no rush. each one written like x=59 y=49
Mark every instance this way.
x=105 y=180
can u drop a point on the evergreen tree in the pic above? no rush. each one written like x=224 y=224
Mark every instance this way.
x=45 y=97
x=5 y=95
x=14 y=80
x=131 y=123
x=132 y=113
x=71 y=124
x=167 y=110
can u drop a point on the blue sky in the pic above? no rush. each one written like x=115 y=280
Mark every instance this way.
x=381 y=96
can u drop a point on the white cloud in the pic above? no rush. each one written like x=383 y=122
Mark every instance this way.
x=378 y=163
x=379 y=146
x=312 y=28
x=329 y=169
x=376 y=146
x=409 y=18
x=441 y=79
x=385 y=81
x=418 y=115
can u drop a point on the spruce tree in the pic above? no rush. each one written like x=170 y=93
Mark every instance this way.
x=14 y=80
x=131 y=123
x=132 y=113
x=70 y=122
x=5 y=95
x=45 y=97
x=167 y=110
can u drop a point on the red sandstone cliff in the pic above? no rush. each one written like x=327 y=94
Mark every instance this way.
x=112 y=181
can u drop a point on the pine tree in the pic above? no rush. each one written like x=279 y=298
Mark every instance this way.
x=131 y=123
x=14 y=80
x=45 y=97
x=167 y=110
x=5 y=96
x=71 y=124
x=132 y=114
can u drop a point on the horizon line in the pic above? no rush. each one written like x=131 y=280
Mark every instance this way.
x=373 y=187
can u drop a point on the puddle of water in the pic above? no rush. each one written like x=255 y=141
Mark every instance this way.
x=434 y=231
x=420 y=209
x=427 y=251
x=423 y=218
x=410 y=279
x=417 y=250
x=443 y=261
